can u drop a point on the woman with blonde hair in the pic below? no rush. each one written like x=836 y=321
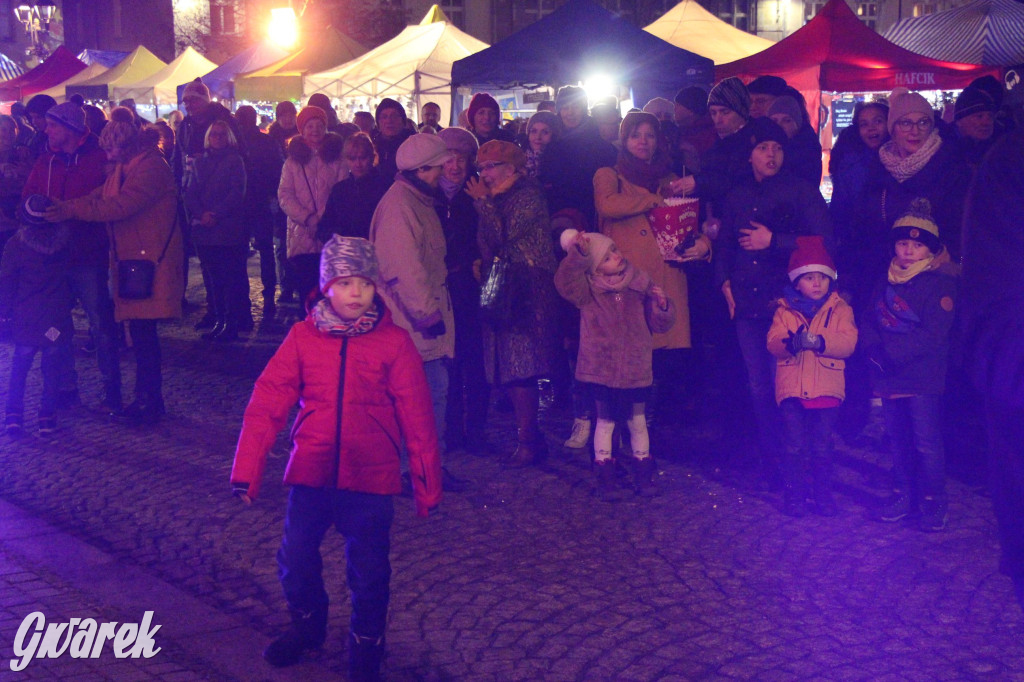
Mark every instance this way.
x=215 y=203
x=138 y=204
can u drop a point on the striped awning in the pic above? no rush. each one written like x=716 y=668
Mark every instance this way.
x=9 y=68
x=981 y=32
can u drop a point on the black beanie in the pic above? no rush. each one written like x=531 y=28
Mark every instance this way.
x=693 y=98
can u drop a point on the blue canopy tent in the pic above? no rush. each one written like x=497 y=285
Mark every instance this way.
x=221 y=80
x=108 y=58
x=577 y=41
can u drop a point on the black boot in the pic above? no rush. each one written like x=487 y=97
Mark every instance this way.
x=365 y=655
x=227 y=334
x=307 y=633
x=146 y=410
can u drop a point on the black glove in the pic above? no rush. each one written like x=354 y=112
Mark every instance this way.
x=790 y=343
x=805 y=340
x=435 y=330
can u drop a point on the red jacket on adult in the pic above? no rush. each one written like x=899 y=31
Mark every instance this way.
x=62 y=176
x=384 y=399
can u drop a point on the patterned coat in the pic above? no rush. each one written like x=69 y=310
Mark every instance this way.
x=517 y=219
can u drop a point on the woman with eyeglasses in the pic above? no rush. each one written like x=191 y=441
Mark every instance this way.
x=918 y=164
x=519 y=348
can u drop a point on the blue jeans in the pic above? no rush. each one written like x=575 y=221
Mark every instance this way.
x=89 y=284
x=364 y=519
x=437 y=380
x=21 y=363
x=919 y=459
x=752 y=335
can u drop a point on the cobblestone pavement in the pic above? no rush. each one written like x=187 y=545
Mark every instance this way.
x=526 y=576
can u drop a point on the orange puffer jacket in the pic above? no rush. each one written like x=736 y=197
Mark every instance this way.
x=808 y=374
x=384 y=398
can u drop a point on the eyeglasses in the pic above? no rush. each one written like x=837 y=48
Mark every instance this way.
x=490 y=166
x=906 y=125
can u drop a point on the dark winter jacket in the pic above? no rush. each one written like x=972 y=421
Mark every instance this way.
x=909 y=353
x=387 y=150
x=280 y=135
x=219 y=187
x=943 y=181
x=568 y=165
x=789 y=207
x=498 y=134
x=459 y=221
x=33 y=288
x=263 y=162
x=724 y=166
x=62 y=177
x=993 y=279
x=351 y=204
x=370 y=388
x=855 y=169
x=803 y=156
x=616 y=327
x=190 y=140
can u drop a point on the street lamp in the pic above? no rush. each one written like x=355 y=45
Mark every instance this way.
x=283 y=29
x=36 y=20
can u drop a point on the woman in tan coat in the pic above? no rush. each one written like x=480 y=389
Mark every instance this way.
x=138 y=203
x=623 y=194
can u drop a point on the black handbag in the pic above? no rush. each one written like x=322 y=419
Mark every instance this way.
x=495 y=298
x=135 y=277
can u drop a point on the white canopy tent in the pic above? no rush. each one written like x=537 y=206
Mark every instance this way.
x=417 y=63
x=161 y=89
x=693 y=28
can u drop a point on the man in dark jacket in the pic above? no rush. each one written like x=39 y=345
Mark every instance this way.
x=36 y=111
x=993 y=307
x=72 y=167
x=568 y=165
x=391 y=132
x=200 y=112
x=263 y=162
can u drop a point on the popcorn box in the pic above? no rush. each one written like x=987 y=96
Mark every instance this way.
x=674 y=223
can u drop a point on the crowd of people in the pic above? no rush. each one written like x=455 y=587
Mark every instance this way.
x=443 y=268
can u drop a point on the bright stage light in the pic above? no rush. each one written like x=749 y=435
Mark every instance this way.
x=284 y=27
x=599 y=86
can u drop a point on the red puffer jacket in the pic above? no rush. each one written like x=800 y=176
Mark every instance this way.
x=384 y=398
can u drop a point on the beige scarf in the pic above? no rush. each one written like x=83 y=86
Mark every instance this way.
x=903 y=168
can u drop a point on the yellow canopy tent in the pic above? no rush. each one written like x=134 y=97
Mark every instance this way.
x=139 y=64
x=693 y=28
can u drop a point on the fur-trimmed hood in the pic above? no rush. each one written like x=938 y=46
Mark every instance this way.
x=46 y=239
x=330 y=151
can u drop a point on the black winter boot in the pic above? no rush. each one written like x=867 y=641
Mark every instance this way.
x=307 y=633
x=365 y=655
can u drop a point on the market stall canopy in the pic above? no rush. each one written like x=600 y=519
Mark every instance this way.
x=9 y=68
x=138 y=64
x=416 y=63
x=980 y=32
x=693 y=28
x=58 y=67
x=58 y=91
x=221 y=80
x=282 y=80
x=160 y=89
x=108 y=58
x=836 y=52
x=575 y=42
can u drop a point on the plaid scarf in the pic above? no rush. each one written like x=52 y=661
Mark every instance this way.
x=329 y=322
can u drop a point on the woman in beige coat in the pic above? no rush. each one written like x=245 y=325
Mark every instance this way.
x=138 y=203
x=314 y=165
x=641 y=180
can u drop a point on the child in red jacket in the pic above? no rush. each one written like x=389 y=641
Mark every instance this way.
x=361 y=389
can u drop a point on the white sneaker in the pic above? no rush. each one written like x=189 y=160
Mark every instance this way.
x=580 y=434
